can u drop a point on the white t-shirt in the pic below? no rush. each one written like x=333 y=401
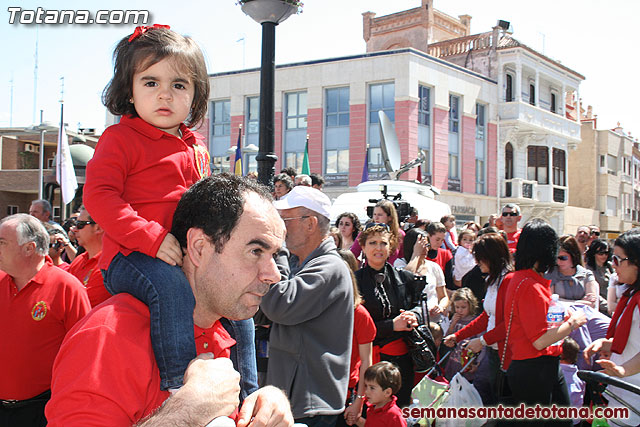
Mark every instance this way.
x=463 y=263
x=632 y=348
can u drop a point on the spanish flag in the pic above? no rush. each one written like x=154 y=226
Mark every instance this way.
x=238 y=162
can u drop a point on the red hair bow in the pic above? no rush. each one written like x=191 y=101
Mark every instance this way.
x=142 y=29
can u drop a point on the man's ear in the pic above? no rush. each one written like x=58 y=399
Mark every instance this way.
x=197 y=242
x=313 y=223
x=28 y=249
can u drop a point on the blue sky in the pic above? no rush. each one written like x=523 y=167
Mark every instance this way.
x=595 y=38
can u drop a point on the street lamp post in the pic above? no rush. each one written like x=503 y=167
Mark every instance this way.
x=268 y=13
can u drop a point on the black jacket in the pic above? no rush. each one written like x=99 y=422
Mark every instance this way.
x=403 y=289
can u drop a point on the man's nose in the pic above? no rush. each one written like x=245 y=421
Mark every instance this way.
x=269 y=272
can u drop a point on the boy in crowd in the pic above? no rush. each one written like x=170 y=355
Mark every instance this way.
x=382 y=381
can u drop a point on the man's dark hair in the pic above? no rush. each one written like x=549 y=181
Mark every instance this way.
x=316 y=179
x=290 y=171
x=538 y=242
x=214 y=205
x=285 y=179
x=385 y=374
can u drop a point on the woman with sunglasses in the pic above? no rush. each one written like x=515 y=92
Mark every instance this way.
x=620 y=350
x=534 y=375
x=598 y=260
x=384 y=212
x=390 y=296
x=569 y=279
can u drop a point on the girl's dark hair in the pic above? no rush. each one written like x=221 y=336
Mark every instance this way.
x=538 y=243
x=148 y=49
x=569 y=244
x=492 y=249
x=596 y=246
x=354 y=219
x=629 y=242
x=436 y=227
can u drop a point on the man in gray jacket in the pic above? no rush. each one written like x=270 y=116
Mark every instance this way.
x=312 y=313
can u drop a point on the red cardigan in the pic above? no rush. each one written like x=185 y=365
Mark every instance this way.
x=499 y=332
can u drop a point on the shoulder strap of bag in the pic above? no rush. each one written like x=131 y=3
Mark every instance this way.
x=506 y=339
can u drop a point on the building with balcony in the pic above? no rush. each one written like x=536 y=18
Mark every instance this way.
x=536 y=133
x=20 y=149
x=447 y=93
x=445 y=110
x=604 y=178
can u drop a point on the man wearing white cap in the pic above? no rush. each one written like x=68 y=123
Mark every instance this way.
x=312 y=312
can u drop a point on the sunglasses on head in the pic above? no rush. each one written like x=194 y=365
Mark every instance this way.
x=509 y=213
x=617 y=260
x=377 y=224
x=81 y=224
x=563 y=257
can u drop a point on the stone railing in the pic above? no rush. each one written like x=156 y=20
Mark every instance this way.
x=461 y=45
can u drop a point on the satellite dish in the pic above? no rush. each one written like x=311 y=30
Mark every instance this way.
x=389 y=143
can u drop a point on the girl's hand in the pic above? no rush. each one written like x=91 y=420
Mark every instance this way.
x=170 y=250
x=450 y=340
x=602 y=346
x=436 y=309
x=455 y=319
x=474 y=345
x=610 y=368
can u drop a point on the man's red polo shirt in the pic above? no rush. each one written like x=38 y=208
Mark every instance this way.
x=33 y=323
x=86 y=270
x=106 y=373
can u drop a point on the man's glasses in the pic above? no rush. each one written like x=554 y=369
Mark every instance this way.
x=296 y=217
x=509 y=213
x=377 y=224
x=563 y=257
x=595 y=233
x=617 y=260
x=81 y=224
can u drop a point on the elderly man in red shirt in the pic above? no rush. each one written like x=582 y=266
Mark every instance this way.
x=85 y=265
x=39 y=303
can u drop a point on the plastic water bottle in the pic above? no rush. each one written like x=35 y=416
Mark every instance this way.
x=413 y=421
x=555 y=315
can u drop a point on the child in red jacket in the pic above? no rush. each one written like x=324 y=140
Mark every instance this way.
x=141 y=168
x=382 y=381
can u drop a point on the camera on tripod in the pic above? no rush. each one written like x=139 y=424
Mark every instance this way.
x=403 y=208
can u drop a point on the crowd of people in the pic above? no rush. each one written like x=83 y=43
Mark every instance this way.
x=177 y=297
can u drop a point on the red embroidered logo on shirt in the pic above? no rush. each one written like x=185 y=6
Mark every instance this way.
x=39 y=311
x=202 y=160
